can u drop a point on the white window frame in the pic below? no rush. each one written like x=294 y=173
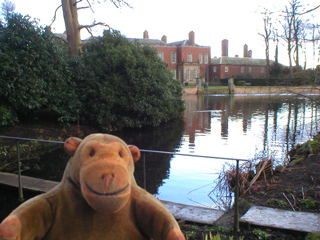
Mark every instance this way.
x=190 y=57
x=174 y=73
x=161 y=55
x=226 y=69
x=195 y=73
x=262 y=69
x=214 y=69
x=250 y=70
x=188 y=74
x=173 y=57
x=206 y=58
x=200 y=58
x=242 y=69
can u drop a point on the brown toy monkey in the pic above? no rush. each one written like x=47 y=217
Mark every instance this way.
x=97 y=198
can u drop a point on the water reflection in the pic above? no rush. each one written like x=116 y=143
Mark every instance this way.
x=222 y=126
x=242 y=127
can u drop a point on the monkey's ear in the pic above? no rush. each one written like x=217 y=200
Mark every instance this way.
x=71 y=145
x=135 y=151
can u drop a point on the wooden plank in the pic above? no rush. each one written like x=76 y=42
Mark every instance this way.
x=283 y=219
x=30 y=183
x=193 y=213
x=179 y=211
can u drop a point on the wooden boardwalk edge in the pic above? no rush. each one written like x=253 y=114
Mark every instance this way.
x=282 y=219
x=179 y=211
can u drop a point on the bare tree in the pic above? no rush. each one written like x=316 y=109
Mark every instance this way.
x=267 y=36
x=73 y=28
x=7 y=8
x=297 y=25
x=276 y=40
x=287 y=35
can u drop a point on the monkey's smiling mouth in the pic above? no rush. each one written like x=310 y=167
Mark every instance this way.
x=106 y=194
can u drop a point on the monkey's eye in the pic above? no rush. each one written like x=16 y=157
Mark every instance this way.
x=92 y=152
x=120 y=154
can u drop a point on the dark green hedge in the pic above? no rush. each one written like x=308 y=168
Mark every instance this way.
x=113 y=84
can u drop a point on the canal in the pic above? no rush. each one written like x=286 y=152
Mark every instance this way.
x=245 y=127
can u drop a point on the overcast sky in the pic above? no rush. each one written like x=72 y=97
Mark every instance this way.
x=239 y=21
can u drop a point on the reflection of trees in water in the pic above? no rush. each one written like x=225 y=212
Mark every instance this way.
x=48 y=166
x=51 y=165
x=164 y=138
x=249 y=107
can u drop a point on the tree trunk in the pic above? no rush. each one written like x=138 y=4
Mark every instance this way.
x=267 y=58
x=70 y=14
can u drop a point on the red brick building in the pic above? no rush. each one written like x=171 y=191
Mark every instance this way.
x=187 y=60
x=239 y=68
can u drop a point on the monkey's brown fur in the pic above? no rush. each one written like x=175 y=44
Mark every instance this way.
x=97 y=198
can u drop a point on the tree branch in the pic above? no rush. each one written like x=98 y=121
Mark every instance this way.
x=55 y=15
x=82 y=8
x=117 y=3
x=90 y=5
x=93 y=25
x=309 y=10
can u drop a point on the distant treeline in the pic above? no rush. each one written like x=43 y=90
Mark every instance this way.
x=113 y=84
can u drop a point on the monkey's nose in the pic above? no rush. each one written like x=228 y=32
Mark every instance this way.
x=107 y=178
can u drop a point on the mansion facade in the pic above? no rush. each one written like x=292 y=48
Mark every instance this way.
x=190 y=62
x=187 y=60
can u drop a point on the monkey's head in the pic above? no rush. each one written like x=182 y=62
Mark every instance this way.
x=102 y=165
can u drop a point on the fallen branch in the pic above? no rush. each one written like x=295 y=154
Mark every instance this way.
x=289 y=202
x=294 y=200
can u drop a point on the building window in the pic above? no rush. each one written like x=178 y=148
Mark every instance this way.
x=189 y=57
x=262 y=69
x=174 y=74
x=173 y=57
x=180 y=74
x=215 y=69
x=242 y=69
x=206 y=58
x=250 y=69
x=226 y=68
x=195 y=73
x=188 y=75
x=160 y=54
x=200 y=58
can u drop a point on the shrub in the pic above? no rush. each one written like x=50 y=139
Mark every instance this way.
x=124 y=85
x=309 y=203
x=35 y=76
x=242 y=83
x=276 y=203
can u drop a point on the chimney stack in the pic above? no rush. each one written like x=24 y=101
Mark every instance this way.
x=250 y=54
x=191 y=37
x=245 y=50
x=224 y=48
x=164 y=38
x=145 y=34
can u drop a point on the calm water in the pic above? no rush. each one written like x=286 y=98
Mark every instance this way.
x=242 y=127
